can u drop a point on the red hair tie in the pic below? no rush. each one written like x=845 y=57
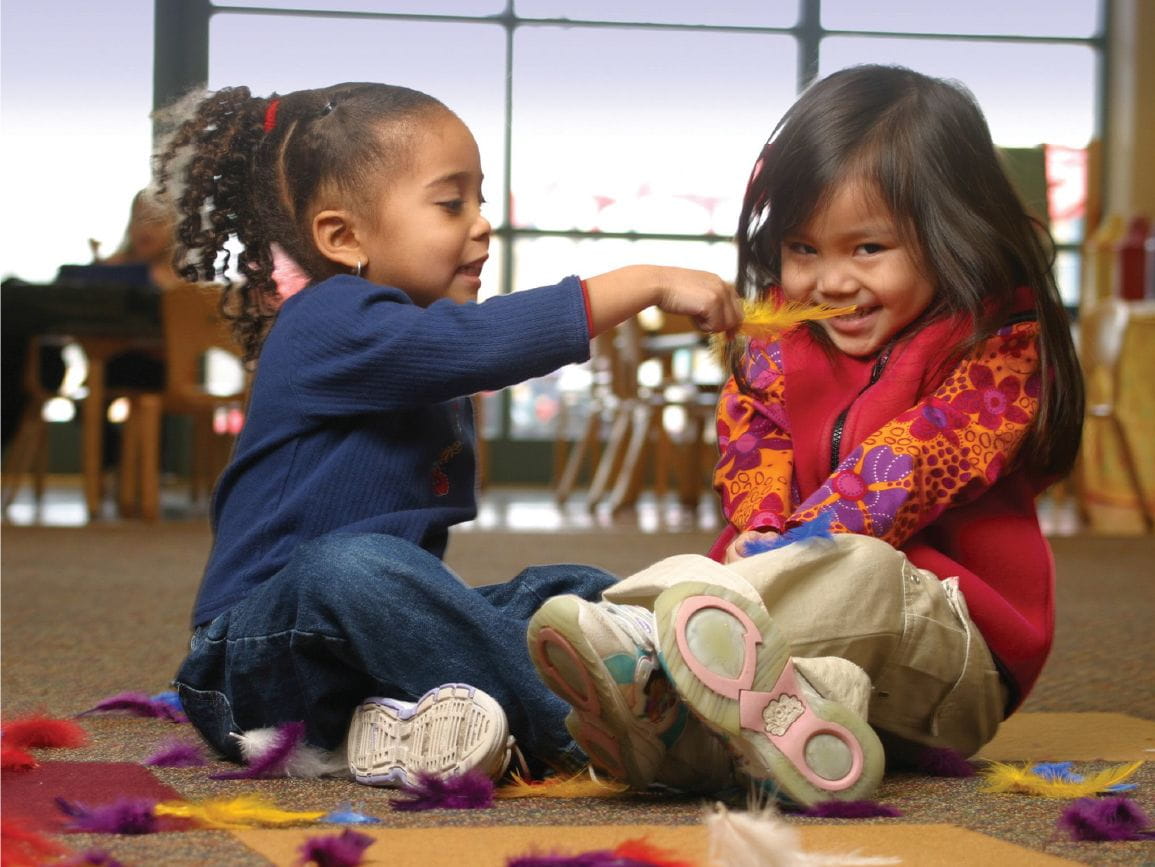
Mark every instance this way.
x=271 y=115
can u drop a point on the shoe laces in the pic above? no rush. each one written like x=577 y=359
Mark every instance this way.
x=636 y=622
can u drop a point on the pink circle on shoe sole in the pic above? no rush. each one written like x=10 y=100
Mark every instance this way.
x=799 y=723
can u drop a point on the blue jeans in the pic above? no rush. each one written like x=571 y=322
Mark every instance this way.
x=352 y=616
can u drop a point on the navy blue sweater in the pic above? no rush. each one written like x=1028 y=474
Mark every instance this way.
x=360 y=419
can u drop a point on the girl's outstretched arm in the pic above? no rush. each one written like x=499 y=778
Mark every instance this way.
x=617 y=295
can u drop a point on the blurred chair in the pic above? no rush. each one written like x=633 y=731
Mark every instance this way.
x=1116 y=468
x=672 y=412
x=28 y=451
x=608 y=399
x=194 y=330
x=652 y=410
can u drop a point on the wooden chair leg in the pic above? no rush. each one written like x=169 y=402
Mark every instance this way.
x=128 y=489
x=23 y=452
x=628 y=484
x=609 y=466
x=582 y=447
x=150 y=418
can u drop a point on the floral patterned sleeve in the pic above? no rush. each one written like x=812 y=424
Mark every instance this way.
x=944 y=451
x=754 y=474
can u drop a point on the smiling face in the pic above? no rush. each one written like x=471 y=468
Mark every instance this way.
x=428 y=237
x=850 y=252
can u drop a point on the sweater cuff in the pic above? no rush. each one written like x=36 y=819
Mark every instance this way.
x=589 y=310
x=766 y=521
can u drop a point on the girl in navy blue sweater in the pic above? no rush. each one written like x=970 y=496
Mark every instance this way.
x=325 y=599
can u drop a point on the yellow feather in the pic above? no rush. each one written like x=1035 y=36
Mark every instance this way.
x=767 y=320
x=583 y=784
x=246 y=811
x=1020 y=778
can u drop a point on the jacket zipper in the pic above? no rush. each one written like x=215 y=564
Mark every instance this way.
x=836 y=434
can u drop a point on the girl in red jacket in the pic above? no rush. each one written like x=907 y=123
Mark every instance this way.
x=914 y=432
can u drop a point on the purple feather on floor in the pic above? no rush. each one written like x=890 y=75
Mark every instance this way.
x=122 y=816
x=472 y=790
x=1106 y=819
x=850 y=810
x=599 y=858
x=94 y=857
x=272 y=762
x=137 y=704
x=336 y=850
x=177 y=754
x=944 y=762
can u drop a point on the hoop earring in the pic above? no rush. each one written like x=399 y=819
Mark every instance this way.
x=357 y=269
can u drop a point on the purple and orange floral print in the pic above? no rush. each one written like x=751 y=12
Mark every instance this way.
x=943 y=451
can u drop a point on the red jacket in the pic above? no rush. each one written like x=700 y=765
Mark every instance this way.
x=899 y=448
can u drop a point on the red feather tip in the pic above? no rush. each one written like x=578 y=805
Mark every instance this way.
x=21 y=845
x=641 y=850
x=38 y=730
x=15 y=759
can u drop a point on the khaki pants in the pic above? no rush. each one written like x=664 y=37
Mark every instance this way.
x=934 y=681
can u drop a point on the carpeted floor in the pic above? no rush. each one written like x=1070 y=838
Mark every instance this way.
x=89 y=612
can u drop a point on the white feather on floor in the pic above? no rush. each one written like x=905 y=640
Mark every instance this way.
x=305 y=762
x=760 y=838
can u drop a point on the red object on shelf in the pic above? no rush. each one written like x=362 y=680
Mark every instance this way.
x=1149 y=259
x=1132 y=255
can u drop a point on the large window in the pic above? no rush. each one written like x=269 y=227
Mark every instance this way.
x=616 y=131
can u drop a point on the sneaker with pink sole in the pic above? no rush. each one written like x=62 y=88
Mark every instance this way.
x=732 y=666
x=600 y=657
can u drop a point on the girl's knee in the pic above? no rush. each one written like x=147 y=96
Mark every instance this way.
x=358 y=568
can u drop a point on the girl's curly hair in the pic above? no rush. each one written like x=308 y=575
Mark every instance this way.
x=257 y=169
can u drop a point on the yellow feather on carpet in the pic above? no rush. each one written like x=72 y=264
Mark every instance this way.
x=583 y=784
x=1022 y=779
x=230 y=814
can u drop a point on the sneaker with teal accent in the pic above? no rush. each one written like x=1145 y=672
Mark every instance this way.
x=601 y=659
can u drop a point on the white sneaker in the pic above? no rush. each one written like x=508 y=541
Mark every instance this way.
x=601 y=658
x=451 y=729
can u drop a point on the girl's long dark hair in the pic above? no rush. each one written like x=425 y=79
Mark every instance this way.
x=925 y=145
x=255 y=168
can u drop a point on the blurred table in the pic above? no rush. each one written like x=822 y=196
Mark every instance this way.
x=106 y=319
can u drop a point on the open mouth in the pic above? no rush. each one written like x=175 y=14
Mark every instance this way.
x=473 y=269
x=861 y=312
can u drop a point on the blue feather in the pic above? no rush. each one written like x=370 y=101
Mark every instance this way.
x=819 y=528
